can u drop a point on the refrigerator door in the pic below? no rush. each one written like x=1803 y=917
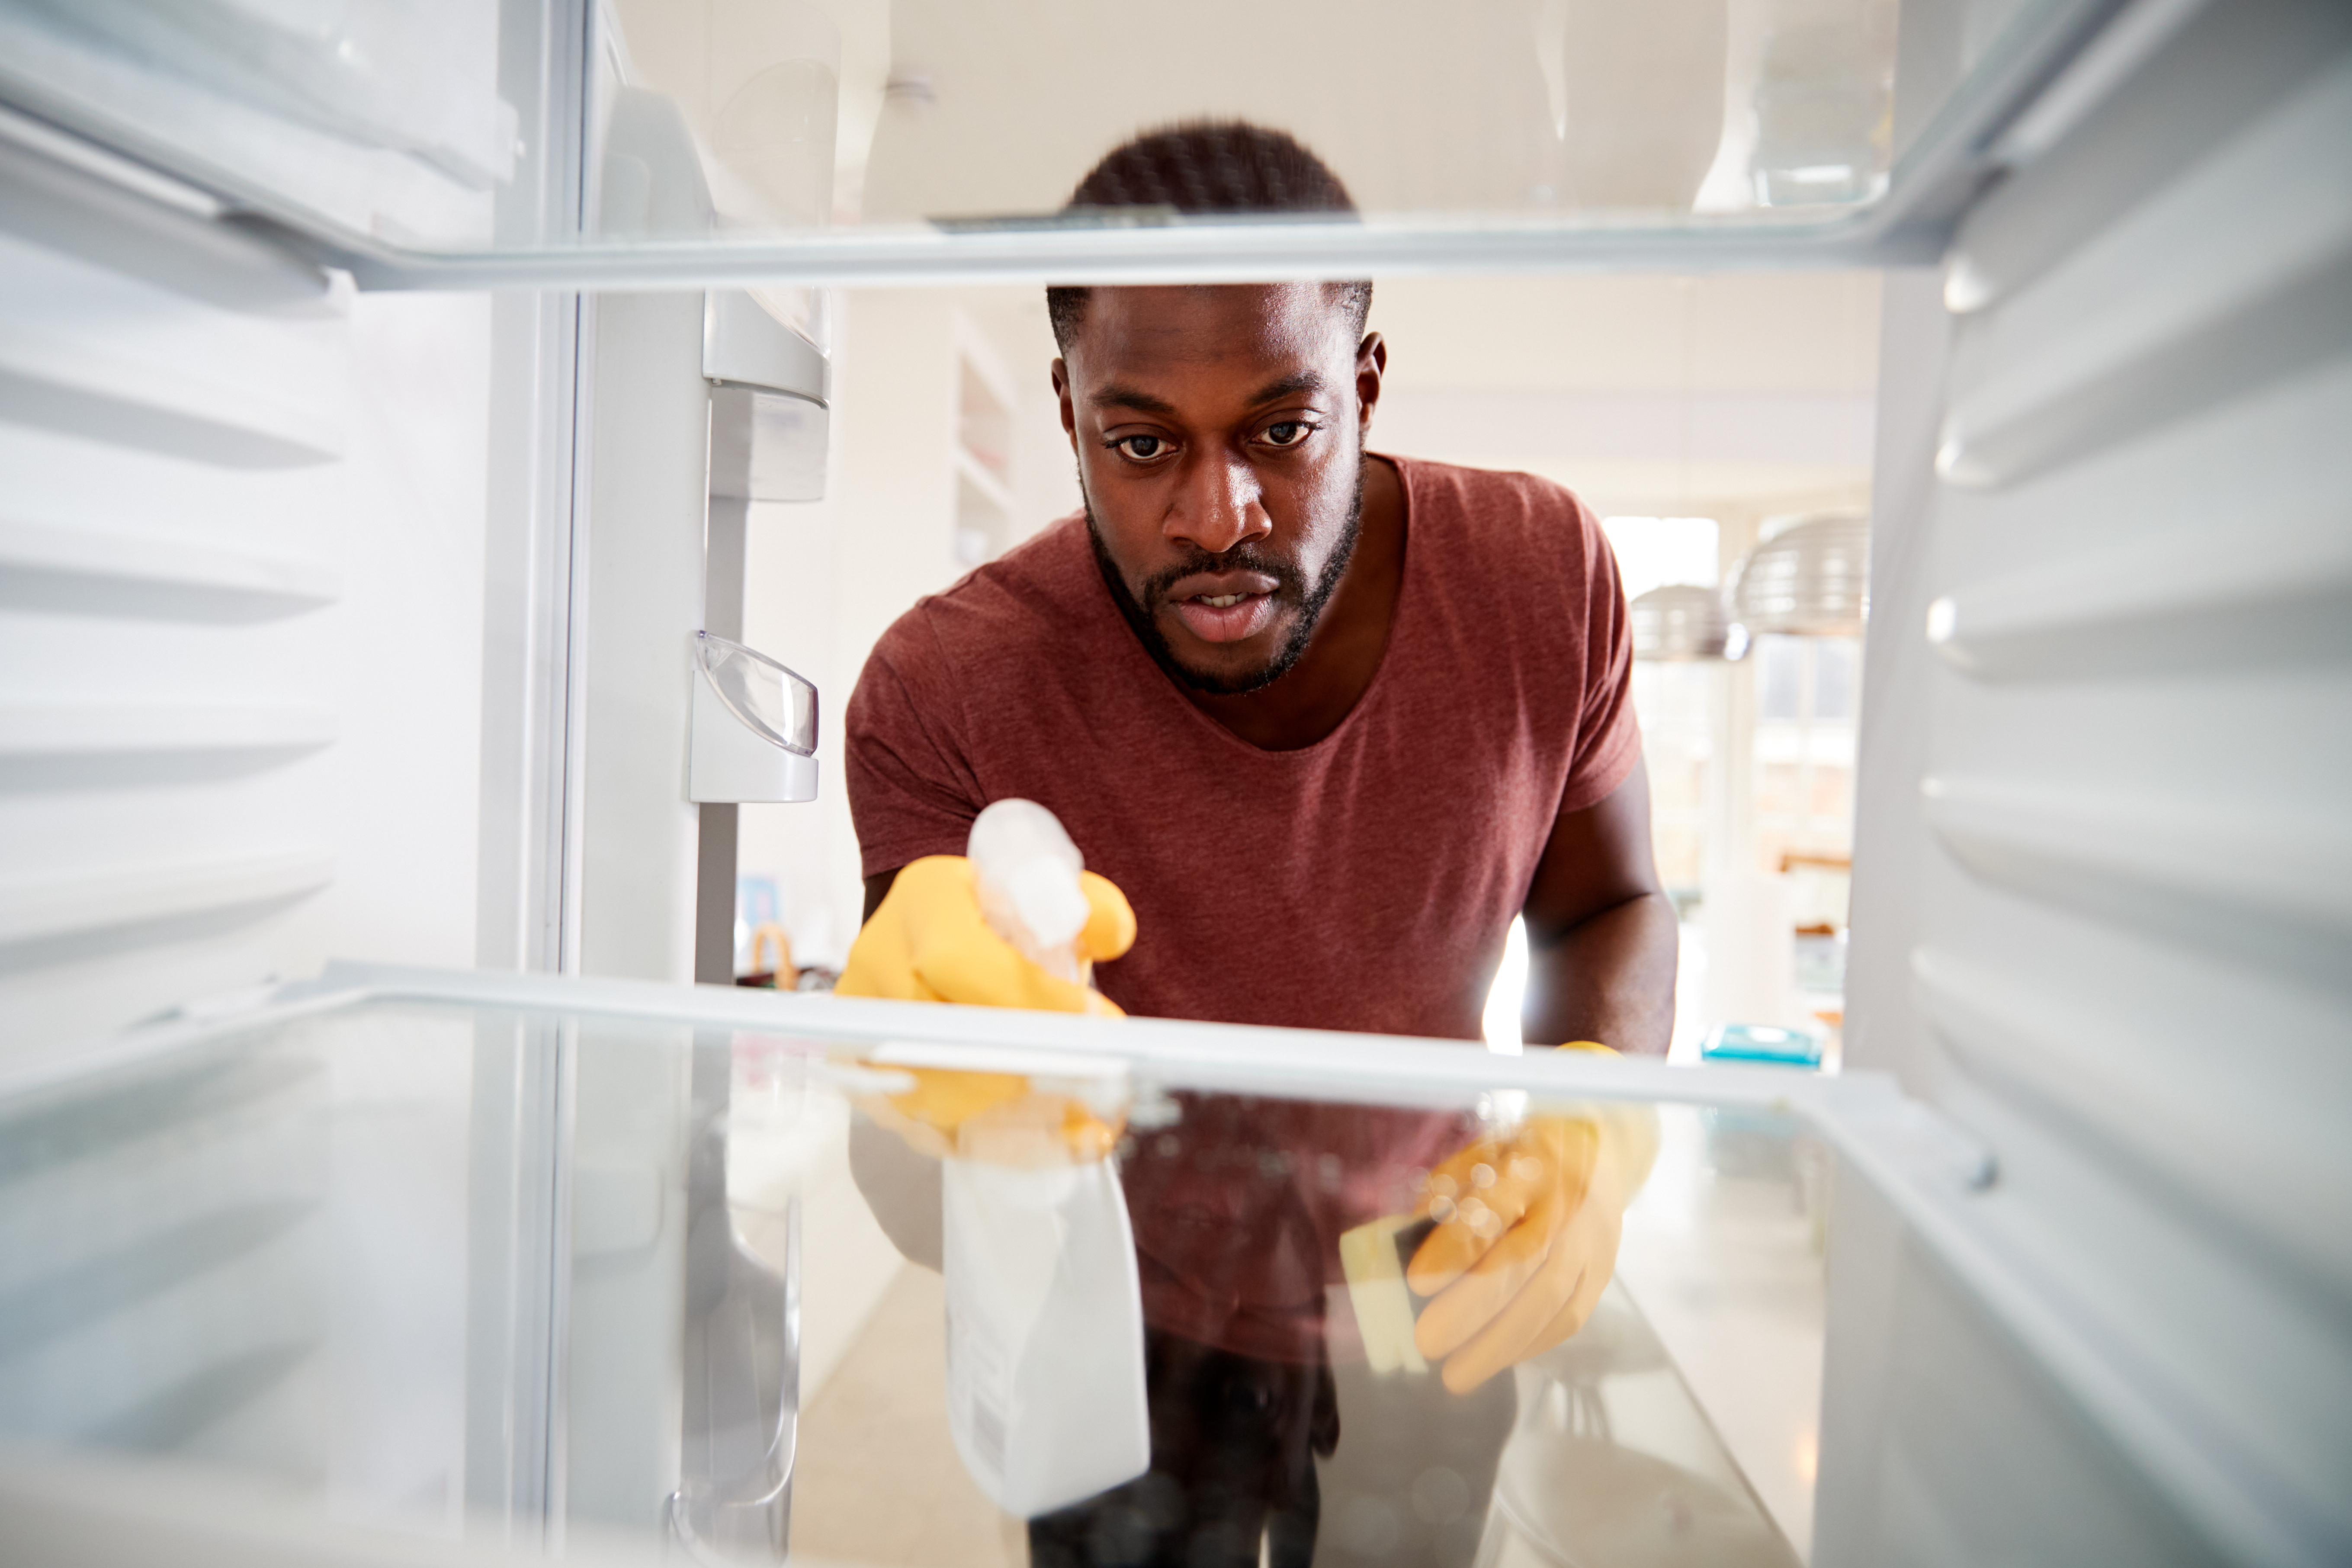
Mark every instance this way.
x=412 y=1260
x=465 y=142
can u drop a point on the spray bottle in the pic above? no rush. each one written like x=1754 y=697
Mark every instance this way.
x=1045 y=1311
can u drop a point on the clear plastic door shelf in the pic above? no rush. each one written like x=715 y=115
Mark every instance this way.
x=753 y=728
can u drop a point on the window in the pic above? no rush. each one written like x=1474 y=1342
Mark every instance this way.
x=1804 y=747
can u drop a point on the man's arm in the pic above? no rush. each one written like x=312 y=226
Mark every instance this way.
x=1601 y=932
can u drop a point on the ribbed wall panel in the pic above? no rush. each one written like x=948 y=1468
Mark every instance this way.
x=241 y=557
x=2128 y=937
x=2163 y=119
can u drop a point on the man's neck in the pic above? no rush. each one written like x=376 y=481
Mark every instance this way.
x=1318 y=691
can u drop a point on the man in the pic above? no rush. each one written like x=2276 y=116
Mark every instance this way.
x=1330 y=720
x=1327 y=769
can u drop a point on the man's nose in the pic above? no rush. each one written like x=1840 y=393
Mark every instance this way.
x=1221 y=506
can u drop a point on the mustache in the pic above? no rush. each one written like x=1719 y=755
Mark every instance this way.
x=1291 y=583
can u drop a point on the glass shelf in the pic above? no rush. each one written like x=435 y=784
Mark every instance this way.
x=639 y=1268
x=466 y=142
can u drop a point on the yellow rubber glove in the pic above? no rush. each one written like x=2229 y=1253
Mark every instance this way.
x=1529 y=1221
x=929 y=942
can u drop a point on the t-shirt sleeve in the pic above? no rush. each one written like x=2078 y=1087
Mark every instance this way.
x=912 y=791
x=1608 y=737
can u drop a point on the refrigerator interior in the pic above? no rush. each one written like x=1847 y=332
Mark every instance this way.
x=313 y=589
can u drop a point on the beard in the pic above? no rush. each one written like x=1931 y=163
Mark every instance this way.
x=1307 y=600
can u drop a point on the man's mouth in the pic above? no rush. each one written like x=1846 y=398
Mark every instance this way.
x=1225 y=606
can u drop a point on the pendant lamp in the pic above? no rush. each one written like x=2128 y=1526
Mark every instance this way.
x=1678 y=623
x=1810 y=579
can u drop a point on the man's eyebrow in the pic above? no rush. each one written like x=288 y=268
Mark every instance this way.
x=1290 y=385
x=1118 y=394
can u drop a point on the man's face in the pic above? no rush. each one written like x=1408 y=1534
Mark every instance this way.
x=1220 y=441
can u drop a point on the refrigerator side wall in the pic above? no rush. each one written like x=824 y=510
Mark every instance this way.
x=241 y=577
x=2101 y=910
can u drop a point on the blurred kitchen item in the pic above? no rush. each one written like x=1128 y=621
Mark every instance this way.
x=1821 y=895
x=1819 y=962
x=1762 y=1043
x=1809 y=579
x=779 y=974
x=1679 y=622
x=1833 y=1023
x=1792 y=858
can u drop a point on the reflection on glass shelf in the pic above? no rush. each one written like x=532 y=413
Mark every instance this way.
x=440 y=129
x=512 y=1276
x=1611 y=1460
x=1723 y=1253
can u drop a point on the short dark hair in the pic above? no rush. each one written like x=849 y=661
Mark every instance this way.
x=1208 y=166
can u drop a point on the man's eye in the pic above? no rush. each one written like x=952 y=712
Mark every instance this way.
x=1142 y=448
x=1287 y=431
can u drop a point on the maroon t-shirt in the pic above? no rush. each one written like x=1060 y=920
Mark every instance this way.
x=1366 y=882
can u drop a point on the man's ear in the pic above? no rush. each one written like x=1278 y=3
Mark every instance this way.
x=1062 y=396
x=1371 y=365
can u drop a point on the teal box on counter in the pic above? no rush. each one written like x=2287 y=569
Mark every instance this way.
x=1762 y=1043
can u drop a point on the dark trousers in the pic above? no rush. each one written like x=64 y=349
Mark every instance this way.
x=1244 y=1449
